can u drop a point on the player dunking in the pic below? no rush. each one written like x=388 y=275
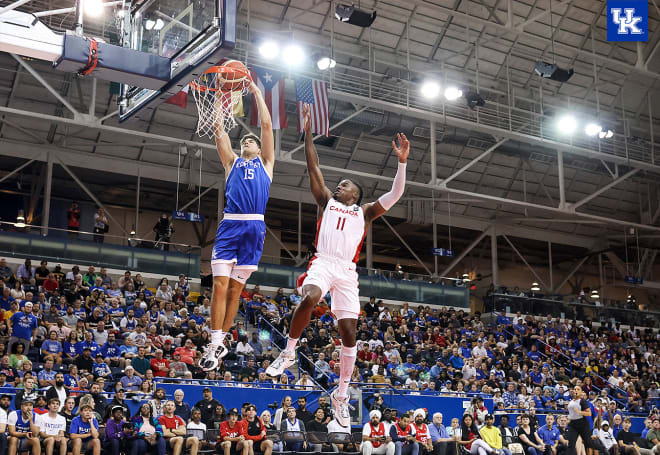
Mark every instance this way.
x=342 y=224
x=239 y=241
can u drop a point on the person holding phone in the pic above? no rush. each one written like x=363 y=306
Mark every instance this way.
x=23 y=430
x=374 y=437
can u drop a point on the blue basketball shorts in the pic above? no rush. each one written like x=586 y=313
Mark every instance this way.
x=240 y=242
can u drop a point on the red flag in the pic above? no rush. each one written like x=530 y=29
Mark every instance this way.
x=180 y=99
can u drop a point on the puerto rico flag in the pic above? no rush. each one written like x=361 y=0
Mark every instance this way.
x=314 y=93
x=271 y=84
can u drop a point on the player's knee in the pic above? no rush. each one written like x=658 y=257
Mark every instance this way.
x=311 y=296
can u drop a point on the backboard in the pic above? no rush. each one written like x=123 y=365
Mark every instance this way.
x=194 y=34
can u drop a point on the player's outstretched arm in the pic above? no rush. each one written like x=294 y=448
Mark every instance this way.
x=387 y=200
x=222 y=141
x=267 y=140
x=321 y=192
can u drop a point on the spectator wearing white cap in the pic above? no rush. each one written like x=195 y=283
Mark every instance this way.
x=375 y=440
x=606 y=438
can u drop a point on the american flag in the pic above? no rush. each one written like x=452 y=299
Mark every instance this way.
x=314 y=93
x=271 y=84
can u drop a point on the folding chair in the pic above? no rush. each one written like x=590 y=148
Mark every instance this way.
x=291 y=438
x=346 y=440
x=203 y=439
x=317 y=439
x=276 y=437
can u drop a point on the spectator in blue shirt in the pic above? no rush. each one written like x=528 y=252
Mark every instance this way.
x=112 y=352
x=6 y=298
x=47 y=375
x=437 y=368
x=22 y=327
x=52 y=348
x=533 y=354
x=101 y=369
x=88 y=343
x=84 y=432
x=455 y=360
x=549 y=434
x=510 y=397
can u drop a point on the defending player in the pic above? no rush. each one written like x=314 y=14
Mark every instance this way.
x=342 y=224
x=239 y=241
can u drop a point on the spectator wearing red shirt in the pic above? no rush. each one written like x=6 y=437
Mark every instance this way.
x=73 y=217
x=174 y=430
x=50 y=284
x=232 y=435
x=159 y=365
x=255 y=431
x=187 y=352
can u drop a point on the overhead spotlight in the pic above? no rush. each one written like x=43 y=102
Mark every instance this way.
x=93 y=8
x=552 y=71
x=269 y=50
x=593 y=129
x=595 y=294
x=466 y=277
x=535 y=287
x=159 y=24
x=430 y=89
x=293 y=55
x=354 y=16
x=473 y=99
x=20 y=219
x=325 y=63
x=567 y=124
x=132 y=234
x=606 y=134
x=149 y=24
x=452 y=93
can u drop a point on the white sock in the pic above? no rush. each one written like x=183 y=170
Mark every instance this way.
x=291 y=344
x=217 y=337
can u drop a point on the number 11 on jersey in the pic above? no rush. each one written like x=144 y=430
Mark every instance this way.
x=340 y=224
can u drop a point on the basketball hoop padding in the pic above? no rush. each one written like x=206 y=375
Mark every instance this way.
x=114 y=63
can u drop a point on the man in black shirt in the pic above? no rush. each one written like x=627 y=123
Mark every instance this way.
x=370 y=308
x=325 y=406
x=302 y=412
x=207 y=407
x=316 y=425
x=85 y=362
x=256 y=432
x=626 y=439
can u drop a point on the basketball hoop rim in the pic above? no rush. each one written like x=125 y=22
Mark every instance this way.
x=219 y=69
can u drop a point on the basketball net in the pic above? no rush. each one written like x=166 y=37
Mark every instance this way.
x=215 y=106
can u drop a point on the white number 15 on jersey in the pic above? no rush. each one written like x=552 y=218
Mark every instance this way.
x=249 y=174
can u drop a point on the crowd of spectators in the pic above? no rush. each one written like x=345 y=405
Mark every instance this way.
x=81 y=338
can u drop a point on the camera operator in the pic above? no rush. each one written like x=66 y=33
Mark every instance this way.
x=164 y=230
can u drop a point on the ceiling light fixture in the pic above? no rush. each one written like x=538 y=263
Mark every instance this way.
x=567 y=124
x=535 y=287
x=293 y=55
x=473 y=99
x=453 y=93
x=20 y=219
x=593 y=129
x=430 y=89
x=606 y=134
x=269 y=50
x=325 y=63
x=354 y=16
x=93 y=8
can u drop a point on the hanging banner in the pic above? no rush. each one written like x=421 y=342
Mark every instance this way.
x=187 y=216
x=442 y=252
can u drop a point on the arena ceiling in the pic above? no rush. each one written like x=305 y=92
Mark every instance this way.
x=495 y=166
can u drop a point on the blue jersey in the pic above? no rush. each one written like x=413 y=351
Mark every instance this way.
x=247 y=187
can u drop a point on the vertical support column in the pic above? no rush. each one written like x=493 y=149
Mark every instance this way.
x=80 y=13
x=299 y=229
x=137 y=203
x=560 y=171
x=278 y=143
x=92 y=101
x=493 y=257
x=434 y=166
x=46 y=204
x=600 y=277
x=370 y=251
x=550 y=264
x=435 y=242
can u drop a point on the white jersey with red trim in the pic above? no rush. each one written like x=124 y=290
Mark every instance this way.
x=340 y=231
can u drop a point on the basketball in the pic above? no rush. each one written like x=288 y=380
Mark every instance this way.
x=235 y=75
